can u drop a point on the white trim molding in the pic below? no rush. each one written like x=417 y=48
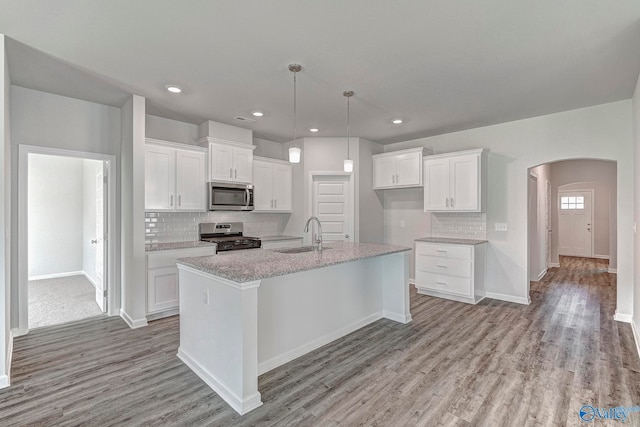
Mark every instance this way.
x=5 y=380
x=133 y=324
x=600 y=256
x=554 y=265
x=56 y=275
x=612 y=271
x=542 y=274
x=621 y=317
x=508 y=298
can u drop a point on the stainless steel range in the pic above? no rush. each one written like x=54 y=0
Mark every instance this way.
x=228 y=236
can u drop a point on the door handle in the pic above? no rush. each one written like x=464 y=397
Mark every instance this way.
x=94 y=242
x=346 y=236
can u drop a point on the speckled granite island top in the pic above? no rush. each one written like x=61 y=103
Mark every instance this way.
x=279 y=238
x=250 y=265
x=176 y=245
x=451 y=241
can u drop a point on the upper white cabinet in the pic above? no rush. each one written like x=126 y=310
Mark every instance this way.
x=272 y=186
x=229 y=161
x=398 y=169
x=175 y=177
x=455 y=181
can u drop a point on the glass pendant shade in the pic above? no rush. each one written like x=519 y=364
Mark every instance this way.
x=348 y=165
x=294 y=155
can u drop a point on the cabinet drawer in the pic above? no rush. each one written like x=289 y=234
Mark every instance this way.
x=442 y=283
x=168 y=258
x=447 y=251
x=444 y=266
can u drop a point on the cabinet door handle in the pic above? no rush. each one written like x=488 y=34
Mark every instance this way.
x=171 y=200
x=230 y=172
x=393 y=179
x=441 y=250
x=441 y=283
x=275 y=203
x=452 y=202
x=441 y=266
x=447 y=202
x=179 y=200
x=397 y=179
x=271 y=202
x=236 y=173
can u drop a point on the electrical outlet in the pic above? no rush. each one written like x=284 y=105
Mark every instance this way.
x=403 y=224
x=205 y=296
x=501 y=226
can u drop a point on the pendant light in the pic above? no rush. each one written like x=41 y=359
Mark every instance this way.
x=294 y=151
x=348 y=163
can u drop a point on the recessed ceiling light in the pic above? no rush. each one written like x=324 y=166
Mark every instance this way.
x=173 y=89
x=258 y=113
x=314 y=130
x=397 y=121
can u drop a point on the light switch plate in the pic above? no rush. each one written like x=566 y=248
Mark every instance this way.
x=501 y=226
x=403 y=224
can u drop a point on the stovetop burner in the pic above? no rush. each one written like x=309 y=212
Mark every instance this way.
x=227 y=236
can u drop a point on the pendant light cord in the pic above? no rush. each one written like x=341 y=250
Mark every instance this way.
x=348 y=125
x=294 y=106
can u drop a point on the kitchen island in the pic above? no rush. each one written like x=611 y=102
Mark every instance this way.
x=244 y=313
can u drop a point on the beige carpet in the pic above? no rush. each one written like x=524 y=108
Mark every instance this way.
x=61 y=300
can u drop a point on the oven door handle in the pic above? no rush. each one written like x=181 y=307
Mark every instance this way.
x=248 y=198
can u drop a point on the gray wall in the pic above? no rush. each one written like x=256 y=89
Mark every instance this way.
x=170 y=130
x=55 y=219
x=6 y=260
x=599 y=132
x=369 y=203
x=596 y=175
x=636 y=211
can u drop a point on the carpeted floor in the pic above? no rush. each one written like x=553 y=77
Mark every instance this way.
x=61 y=300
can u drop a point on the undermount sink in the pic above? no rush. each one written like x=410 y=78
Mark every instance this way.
x=297 y=250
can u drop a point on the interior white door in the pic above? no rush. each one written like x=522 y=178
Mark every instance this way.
x=534 y=250
x=575 y=223
x=547 y=221
x=333 y=205
x=101 y=243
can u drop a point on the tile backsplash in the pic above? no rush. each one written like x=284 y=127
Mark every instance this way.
x=166 y=227
x=459 y=224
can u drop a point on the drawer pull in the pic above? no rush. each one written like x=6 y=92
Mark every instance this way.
x=441 y=250
x=441 y=266
x=441 y=283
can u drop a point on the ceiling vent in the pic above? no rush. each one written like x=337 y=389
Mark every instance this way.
x=244 y=119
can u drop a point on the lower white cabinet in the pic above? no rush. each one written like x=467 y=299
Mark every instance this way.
x=451 y=271
x=162 y=279
x=277 y=244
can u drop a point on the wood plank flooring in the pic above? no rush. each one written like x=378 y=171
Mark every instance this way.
x=493 y=364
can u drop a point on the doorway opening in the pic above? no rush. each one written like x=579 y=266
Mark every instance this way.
x=572 y=216
x=66 y=261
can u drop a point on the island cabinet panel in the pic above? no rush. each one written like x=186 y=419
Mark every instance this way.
x=175 y=177
x=455 y=182
x=273 y=185
x=451 y=271
x=162 y=279
x=398 y=169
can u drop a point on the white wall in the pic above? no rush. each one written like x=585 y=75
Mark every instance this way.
x=90 y=169
x=48 y=120
x=170 y=130
x=55 y=206
x=596 y=175
x=369 y=207
x=537 y=242
x=636 y=210
x=133 y=260
x=5 y=218
x=599 y=132
x=270 y=149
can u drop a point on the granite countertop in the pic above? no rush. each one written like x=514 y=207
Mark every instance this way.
x=451 y=240
x=277 y=238
x=250 y=265
x=175 y=245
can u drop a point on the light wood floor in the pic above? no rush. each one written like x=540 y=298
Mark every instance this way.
x=493 y=364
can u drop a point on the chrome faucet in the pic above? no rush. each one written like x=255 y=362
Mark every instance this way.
x=318 y=237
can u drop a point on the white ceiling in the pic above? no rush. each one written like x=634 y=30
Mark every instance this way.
x=441 y=65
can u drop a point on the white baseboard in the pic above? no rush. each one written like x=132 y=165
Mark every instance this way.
x=542 y=274
x=162 y=314
x=288 y=356
x=554 y=265
x=508 y=298
x=412 y=282
x=56 y=275
x=620 y=317
x=239 y=405
x=397 y=317
x=133 y=324
x=89 y=278
x=612 y=271
x=600 y=256
x=5 y=380
x=635 y=337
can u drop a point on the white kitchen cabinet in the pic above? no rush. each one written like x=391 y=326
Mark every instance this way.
x=229 y=161
x=451 y=271
x=398 y=169
x=272 y=186
x=174 y=177
x=162 y=279
x=277 y=244
x=455 y=181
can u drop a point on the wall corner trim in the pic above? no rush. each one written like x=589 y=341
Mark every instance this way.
x=509 y=298
x=133 y=324
x=620 y=317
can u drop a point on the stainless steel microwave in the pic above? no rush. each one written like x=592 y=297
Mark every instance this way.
x=230 y=196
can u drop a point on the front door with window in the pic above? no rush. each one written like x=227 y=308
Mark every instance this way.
x=575 y=223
